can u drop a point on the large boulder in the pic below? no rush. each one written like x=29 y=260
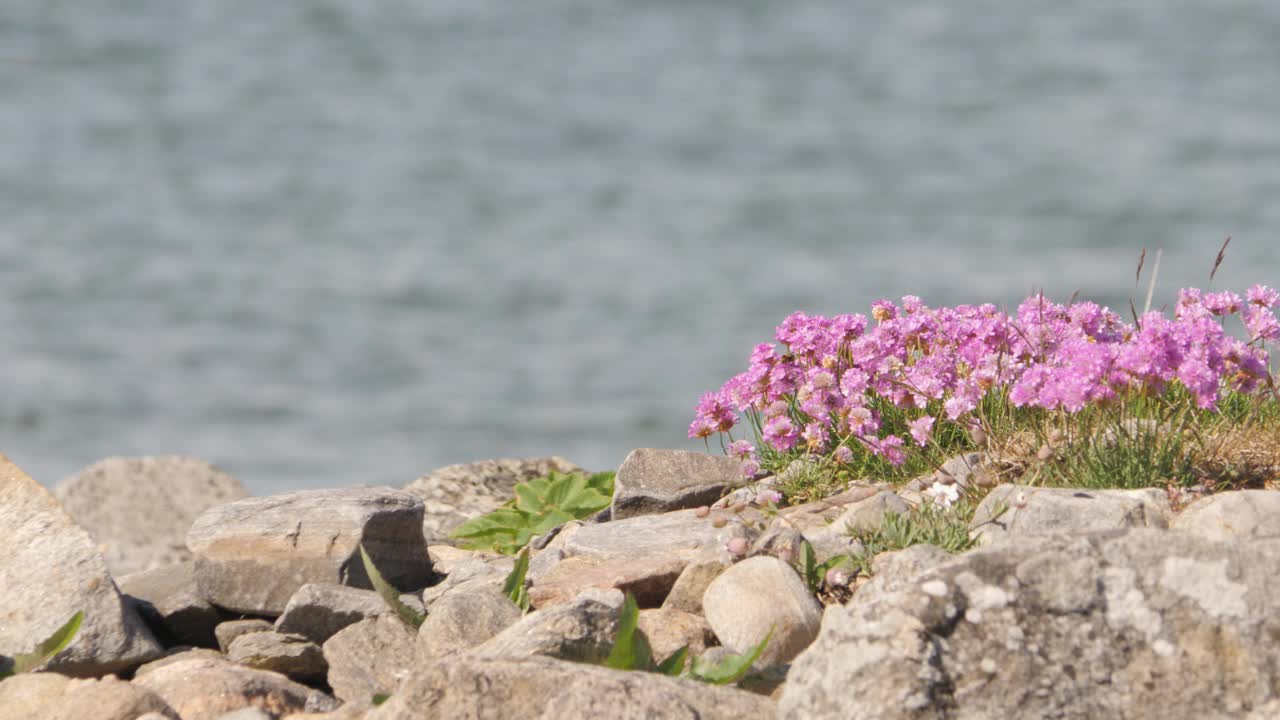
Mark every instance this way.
x=1011 y=511
x=756 y=595
x=549 y=689
x=50 y=569
x=1140 y=623
x=49 y=696
x=252 y=555
x=456 y=493
x=139 y=509
x=202 y=688
x=654 y=481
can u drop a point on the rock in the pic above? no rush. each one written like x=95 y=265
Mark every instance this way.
x=177 y=655
x=779 y=540
x=252 y=555
x=757 y=594
x=678 y=535
x=474 y=574
x=652 y=481
x=171 y=603
x=463 y=619
x=139 y=509
x=689 y=588
x=668 y=630
x=1136 y=623
x=249 y=713
x=49 y=570
x=368 y=658
x=581 y=630
x=648 y=579
x=49 y=696
x=444 y=558
x=541 y=563
x=891 y=571
x=1232 y=515
x=472 y=687
x=868 y=515
x=318 y=610
x=1049 y=510
x=204 y=689
x=457 y=493
x=346 y=712
x=227 y=632
x=292 y=655
x=816 y=520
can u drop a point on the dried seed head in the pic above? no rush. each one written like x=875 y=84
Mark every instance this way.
x=1045 y=452
x=737 y=546
x=702 y=512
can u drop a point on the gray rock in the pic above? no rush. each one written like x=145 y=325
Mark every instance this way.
x=817 y=521
x=457 y=493
x=582 y=630
x=1140 y=623
x=653 y=481
x=291 y=655
x=318 y=610
x=649 y=579
x=49 y=696
x=757 y=594
x=473 y=574
x=49 y=570
x=171 y=603
x=463 y=619
x=227 y=632
x=541 y=563
x=139 y=509
x=1233 y=515
x=205 y=689
x=368 y=658
x=868 y=515
x=548 y=689
x=892 y=571
x=679 y=535
x=252 y=555
x=1056 y=510
x=693 y=582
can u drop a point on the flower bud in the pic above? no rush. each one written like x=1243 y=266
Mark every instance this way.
x=737 y=546
x=836 y=577
x=977 y=435
x=1045 y=452
x=702 y=511
x=719 y=521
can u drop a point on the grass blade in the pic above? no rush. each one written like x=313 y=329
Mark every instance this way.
x=45 y=651
x=390 y=595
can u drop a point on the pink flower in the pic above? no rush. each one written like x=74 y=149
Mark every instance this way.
x=920 y=429
x=780 y=433
x=1263 y=295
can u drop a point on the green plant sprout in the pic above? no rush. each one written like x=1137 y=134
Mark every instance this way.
x=540 y=506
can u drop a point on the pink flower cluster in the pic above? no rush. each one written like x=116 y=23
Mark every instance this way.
x=818 y=392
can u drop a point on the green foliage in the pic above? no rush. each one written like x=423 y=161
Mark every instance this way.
x=731 y=668
x=45 y=651
x=814 y=572
x=540 y=506
x=631 y=651
x=925 y=524
x=379 y=698
x=390 y=595
x=514 y=587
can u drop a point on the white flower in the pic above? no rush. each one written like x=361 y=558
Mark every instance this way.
x=944 y=494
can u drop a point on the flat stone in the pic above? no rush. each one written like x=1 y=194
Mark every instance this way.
x=253 y=554
x=319 y=610
x=369 y=658
x=138 y=509
x=227 y=631
x=668 y=630
x=693 y=582
x=1030 y=510
x=648 y=579
x=49 y=696
x=472 y=574
x=676 y=535
x=456 y=493
x=1230 y=516
x=1126 y=623
x=549 y=689
x=868 y=515
x=170 y=602
x=205 y=689
x=757 y=594
x=582 y=630
x=652 y=481
x=817 y=521
x=463 y=619
x=291 y=655
x=49 y=570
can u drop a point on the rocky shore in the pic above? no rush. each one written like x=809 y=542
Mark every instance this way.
x=203 y=603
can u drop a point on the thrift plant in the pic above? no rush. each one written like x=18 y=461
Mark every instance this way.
x=893 y=395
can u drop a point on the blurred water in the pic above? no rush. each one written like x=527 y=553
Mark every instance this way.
x=324 y=243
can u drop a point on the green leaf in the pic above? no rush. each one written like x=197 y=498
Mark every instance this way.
x=500 y=521
x=731 y=668
x=630 y=649
x=529 y=499
x=390 y=595
x=379 y=698
x=45 y=651
x=674 y=665
x=514 y=586
x=809 y=566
